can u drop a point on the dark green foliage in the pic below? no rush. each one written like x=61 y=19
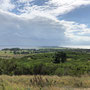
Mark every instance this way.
x=42 y=63
x=60 y=57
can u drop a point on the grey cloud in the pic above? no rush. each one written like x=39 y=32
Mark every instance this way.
x=37 y=31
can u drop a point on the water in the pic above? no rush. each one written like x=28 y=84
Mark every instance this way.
x=36 y=47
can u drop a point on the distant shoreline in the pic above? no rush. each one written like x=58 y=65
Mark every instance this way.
x=44 y=47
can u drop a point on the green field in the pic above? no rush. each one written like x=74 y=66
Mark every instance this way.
x=35 y=69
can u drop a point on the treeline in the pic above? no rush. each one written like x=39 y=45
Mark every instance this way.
x=43 y=50
x=74 y=64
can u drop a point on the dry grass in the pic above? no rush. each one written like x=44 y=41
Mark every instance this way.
x=44 y=83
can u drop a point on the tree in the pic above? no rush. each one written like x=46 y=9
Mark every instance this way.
x=63 y=57
x=60 y=57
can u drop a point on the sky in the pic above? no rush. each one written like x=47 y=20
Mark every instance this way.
x=44 y=23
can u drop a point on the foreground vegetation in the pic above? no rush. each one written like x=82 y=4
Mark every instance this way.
x=44 y=69
x=44 y=83
x=75 y=64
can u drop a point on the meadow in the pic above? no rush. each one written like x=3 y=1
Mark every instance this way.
x=35 y=69
x=39 y=82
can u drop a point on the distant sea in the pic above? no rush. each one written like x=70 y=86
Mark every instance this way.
x=80 y=47
x=37 y=47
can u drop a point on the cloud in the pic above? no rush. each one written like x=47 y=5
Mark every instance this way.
x=51 y=7
x=37 y=31
x=79 y=34
x=6 y=5
x=65 y=6
x=37 y=25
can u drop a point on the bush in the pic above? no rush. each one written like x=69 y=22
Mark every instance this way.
x=60 y=57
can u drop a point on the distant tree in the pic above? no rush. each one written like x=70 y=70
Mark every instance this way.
x=63 y=57
x=60 y=57
x=15 y=49
x=14 y=52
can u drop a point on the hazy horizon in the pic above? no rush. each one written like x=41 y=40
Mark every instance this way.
x=38 y=47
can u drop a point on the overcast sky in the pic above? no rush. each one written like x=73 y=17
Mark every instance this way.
x=44 y=22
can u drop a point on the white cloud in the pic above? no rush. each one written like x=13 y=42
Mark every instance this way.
x=6 y=5
x=78 y=33
x=37 y=31
x=24 y=1
x=38 y=25
x=52 y=7
x=64 y=6
x=41 y=31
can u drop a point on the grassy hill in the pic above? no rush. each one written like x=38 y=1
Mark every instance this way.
x=36 y=70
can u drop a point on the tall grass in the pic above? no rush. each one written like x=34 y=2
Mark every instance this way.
x=44 y=83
